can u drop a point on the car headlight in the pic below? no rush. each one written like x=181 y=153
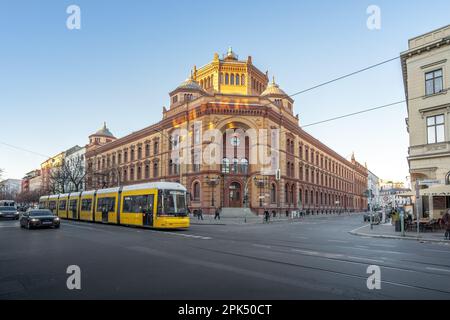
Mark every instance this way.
x=34 y=220
x=56 y=219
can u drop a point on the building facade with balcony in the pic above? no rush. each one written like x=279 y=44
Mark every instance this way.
x=426 y=75
x=207 y=139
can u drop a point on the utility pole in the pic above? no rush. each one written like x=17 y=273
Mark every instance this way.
x=417 y=205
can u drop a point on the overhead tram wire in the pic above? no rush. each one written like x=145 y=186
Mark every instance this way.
x=24 y=150
x=366 y=110
x=345 y=76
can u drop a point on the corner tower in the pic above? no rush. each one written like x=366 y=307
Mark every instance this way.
x=229 y=75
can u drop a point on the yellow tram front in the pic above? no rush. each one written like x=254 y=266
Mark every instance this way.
x=160 y=205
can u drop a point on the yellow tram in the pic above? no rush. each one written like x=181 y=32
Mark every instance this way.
x=160 y=205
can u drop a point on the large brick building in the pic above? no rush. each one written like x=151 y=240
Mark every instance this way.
x=229 y=111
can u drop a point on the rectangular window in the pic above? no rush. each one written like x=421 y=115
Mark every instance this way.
x=106 y=203
x=86 y=205
x=433 y=82
x=62 y=205
x=73 y=204
x=436 y=129
x=138 y=204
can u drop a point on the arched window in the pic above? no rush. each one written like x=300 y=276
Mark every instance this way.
x=227 y=78
x=147 y=171
x=232 y=79
x=244 y=166
x=292 y=194
x=300 y=197
x=286 y=193
x=235 y=165
x=237 y=79
x=196 y=191
x=155 y=170
x=447 y=178
x=273 y=193
x=225 y=165
x=243 y=80
x=131 y=174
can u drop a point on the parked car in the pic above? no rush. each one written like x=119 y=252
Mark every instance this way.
x=41 y=218
x=9 y=213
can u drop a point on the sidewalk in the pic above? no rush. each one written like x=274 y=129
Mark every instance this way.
x=209 y=219
x=387 y=231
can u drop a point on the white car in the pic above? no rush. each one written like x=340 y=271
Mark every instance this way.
x=9 y=213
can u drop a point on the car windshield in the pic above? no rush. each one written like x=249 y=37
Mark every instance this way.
x=7 y=209
x=40 y=213
x=172 y=203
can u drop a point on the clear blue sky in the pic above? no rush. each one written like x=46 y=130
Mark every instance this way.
x=58 y=86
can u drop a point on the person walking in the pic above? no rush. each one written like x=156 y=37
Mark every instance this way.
x=217 y=214
x=446 y=220
x=200 y=214
x=266 y=216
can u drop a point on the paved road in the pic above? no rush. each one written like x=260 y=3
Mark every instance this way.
x=312 y=259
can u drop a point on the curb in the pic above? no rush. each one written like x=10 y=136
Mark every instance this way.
x=395 y=237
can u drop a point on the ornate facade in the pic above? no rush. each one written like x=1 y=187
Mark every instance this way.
x=232 y=97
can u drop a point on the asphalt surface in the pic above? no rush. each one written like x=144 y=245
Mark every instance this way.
x=312 y=259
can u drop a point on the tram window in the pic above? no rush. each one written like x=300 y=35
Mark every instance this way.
x=137 y=204
x=73 y=205
x=52 y=205
x=171 y=203
x=108 y=203
x=62 y=205
x=86 y=204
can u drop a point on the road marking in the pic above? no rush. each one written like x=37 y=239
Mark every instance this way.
x=82 y=226
x=354 y=230
x=339 y=241
x=262 y=246
x=184 y=235
x=438 y=269
x=441 y=251
x=365 y=259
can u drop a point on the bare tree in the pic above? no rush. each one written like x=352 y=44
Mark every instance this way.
x=75 y=173
x=58 y=180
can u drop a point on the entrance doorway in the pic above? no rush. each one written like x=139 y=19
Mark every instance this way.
x=235 y=195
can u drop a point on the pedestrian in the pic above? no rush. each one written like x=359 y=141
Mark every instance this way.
x=266 y=216
x=446 y=221
x=200 y=214
x=217 y=214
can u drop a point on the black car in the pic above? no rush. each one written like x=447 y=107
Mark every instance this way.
x=9 y=213
x=39 y=219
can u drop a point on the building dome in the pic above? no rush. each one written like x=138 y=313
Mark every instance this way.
x=230 y=54
x=273 y=90
x=190 y=84
x=104 y=131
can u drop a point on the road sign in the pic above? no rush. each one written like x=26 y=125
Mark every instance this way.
x=429 y=182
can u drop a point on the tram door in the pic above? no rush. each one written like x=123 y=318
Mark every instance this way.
x=148 y=210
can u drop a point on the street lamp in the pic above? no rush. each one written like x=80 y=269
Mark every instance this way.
x=260 y=183
x=212 y=182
